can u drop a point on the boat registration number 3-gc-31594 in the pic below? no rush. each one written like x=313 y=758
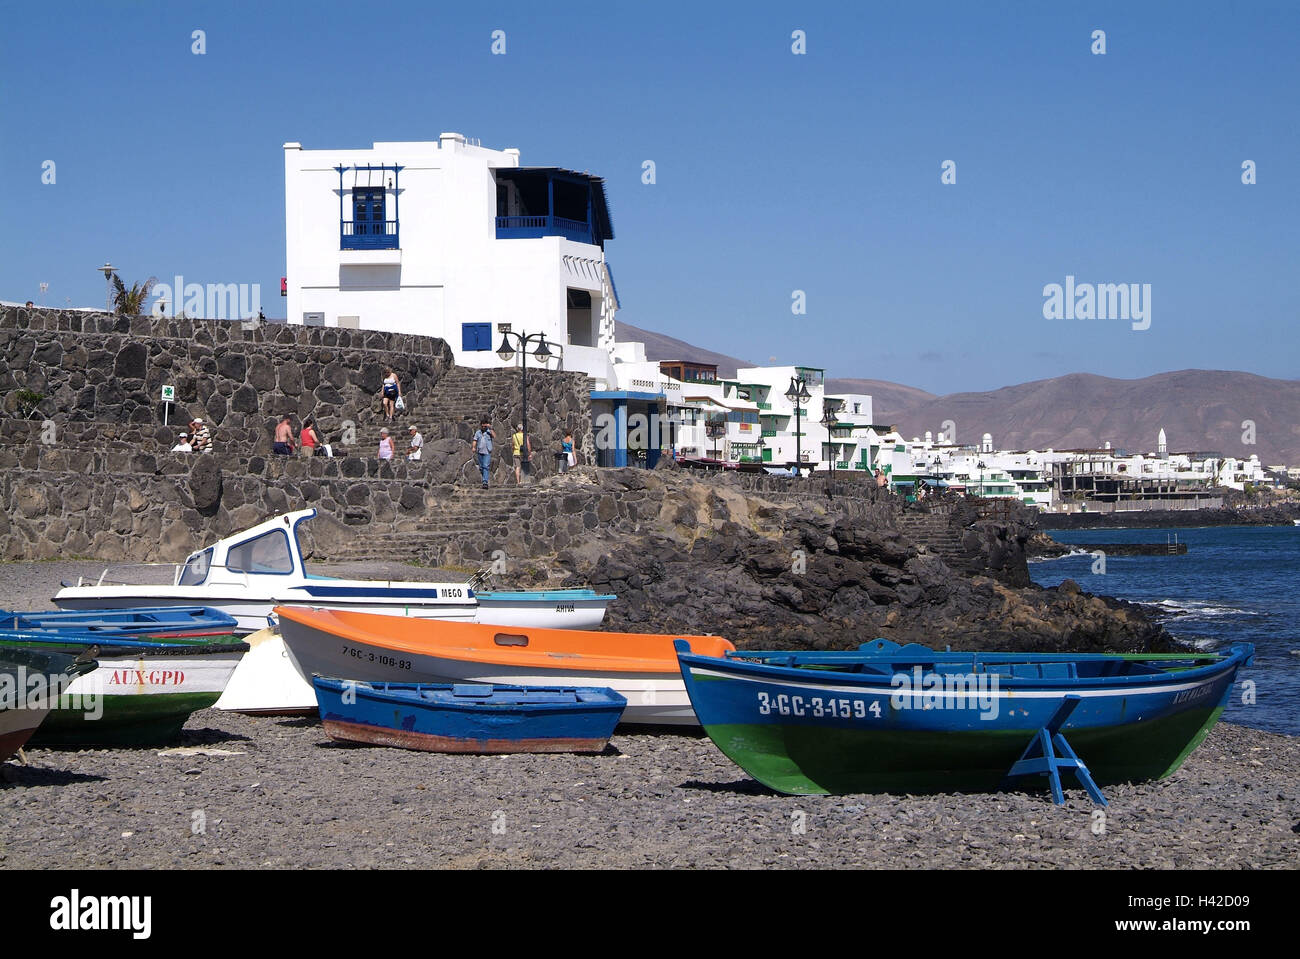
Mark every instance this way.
x=369 y=656
x=816 y=706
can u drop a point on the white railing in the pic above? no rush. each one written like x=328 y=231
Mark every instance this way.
x=104 y=580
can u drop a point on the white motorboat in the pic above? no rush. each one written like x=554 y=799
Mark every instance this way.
x=250 y=573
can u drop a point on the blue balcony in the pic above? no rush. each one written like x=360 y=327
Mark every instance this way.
x=377 y=235
x=531 y=227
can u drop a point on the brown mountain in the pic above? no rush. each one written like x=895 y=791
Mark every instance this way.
x=660 y=347
x=893 y=396
x=1200 y=410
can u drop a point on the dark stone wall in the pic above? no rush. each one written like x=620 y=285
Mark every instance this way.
x=88 y=471
x=239 y=377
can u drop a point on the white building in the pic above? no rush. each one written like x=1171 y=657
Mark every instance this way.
x=453 y=240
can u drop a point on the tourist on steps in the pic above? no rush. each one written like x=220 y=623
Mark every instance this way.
x=415 y=446
x=481 y=445
x=283 y=437
x=385 y=445
x=522 y=450
x=391 y=393
x=566 y=453
x=309 y=439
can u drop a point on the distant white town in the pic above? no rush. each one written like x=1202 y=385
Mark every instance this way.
x=454 y=240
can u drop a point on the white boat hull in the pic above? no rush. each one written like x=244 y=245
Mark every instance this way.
x=532 y=614
x=253 y=613
x=267 y=681
x=652 y=698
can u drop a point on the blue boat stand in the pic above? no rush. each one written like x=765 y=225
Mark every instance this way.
x=1040 y=758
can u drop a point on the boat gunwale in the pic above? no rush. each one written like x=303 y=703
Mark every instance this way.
x=604 y=698
x=493 y=656
x=1237 y=655
x=115 y=648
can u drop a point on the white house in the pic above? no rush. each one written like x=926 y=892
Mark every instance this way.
x=454 y=240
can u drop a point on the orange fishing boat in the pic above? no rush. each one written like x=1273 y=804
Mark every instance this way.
x=642 y=667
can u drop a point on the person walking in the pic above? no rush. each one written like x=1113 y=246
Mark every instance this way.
x=391 y=392
x=385 y=445
x=481 y=446
x=283 y=444
x=522 y=451
x=415 y=445
x=566 y=450
x=309 y=439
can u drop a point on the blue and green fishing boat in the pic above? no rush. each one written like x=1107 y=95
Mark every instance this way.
x=142 y=693
x=885 y=718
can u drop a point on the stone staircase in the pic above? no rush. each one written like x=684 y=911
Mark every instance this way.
x=464 y=396
x=934 y=534
x=478 y=520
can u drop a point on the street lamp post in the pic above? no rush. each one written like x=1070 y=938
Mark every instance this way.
x=715 y=428
x=507 y=353
x=829 y=419
x=107 y=270
x=798 y=395
x=981 y=469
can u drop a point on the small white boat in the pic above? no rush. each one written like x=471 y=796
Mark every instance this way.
x=249 y=574
x=545 y=608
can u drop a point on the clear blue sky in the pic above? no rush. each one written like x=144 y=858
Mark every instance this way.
x=775 y=172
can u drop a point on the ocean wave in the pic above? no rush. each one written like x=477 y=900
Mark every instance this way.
x=1198 y=609
x=1052 y=559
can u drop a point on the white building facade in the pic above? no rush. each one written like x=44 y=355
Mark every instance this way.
x=452 y=240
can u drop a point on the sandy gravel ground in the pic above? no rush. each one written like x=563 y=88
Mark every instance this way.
x=277 y=793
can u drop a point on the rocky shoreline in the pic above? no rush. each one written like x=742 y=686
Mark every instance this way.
x=1281 y=515
x=268 y=793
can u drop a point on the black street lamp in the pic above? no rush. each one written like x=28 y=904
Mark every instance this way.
x=829 y=419
x=715 y=428
x=982 y=467
x=798 y=395
x=507 y=353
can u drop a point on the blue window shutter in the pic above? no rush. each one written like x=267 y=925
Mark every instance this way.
x=476 y=336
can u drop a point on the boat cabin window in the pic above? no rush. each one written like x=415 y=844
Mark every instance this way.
x=196 y=569
x=268 y=553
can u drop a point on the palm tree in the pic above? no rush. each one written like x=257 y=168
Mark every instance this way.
x=131 y=302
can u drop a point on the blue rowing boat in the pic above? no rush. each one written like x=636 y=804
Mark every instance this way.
x=142 y=621
x=885 y=718
x=469 y=717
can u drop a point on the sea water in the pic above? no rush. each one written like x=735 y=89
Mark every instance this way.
x=1236 y=584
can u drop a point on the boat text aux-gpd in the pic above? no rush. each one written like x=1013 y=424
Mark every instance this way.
x=248 y=574
x=910 y=719
x=641 y=667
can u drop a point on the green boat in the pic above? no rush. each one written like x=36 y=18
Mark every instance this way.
x=910 y=719
x=142 y=694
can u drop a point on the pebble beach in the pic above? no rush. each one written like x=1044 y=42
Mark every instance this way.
x=275 y=792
